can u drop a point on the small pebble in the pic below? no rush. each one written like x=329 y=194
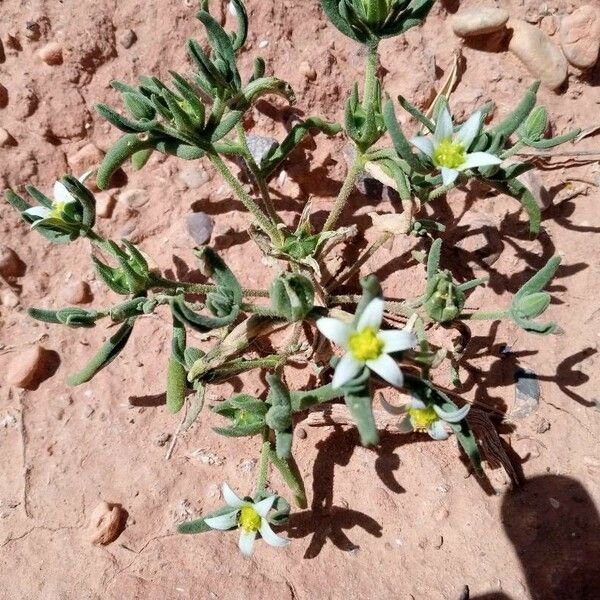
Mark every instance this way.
x=128 y=38
x=580 y=36
x=28 y=368
x=260 y=145
x=438 y=541
x=441 y=513
x=88 y=411
x=301 y=433
x=538 y=53
x=86 y=158
x=307 y=71
x=76 y=292
x=134 y=198
x=51 y=54
x=554 y=503
x=162 y=439
x=10 y=264
x=263 y=44
x=481 y=21
x=106 y=523
x=192 y=177
x=105 y=204
x=200 y=227
x=527 y=394
x=9 y=299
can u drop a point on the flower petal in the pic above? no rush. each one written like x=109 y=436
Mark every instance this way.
x=417 y=403
x=437 y=431
x=61 y=194
x=264 y=506
x=470 y=128
x=270 y=536
x=372 y=315
x=405 y=425
x=246 y=542
x=83 y=177
x=393 y=410
x=335 y=330
x=424 y=144
x=443 y=126
x=223 y=522
x=452 y=416
x=231 y=497
x=38 y=211
x=347 y=369
x=387 y=368
x=396 y=340
x=479 y=159
x=449 y=175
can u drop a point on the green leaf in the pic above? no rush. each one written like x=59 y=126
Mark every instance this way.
x=109 y=351
x=176 y=385
x=120 y=152
x=433 y=259
x=507 y=127
x=401 y=144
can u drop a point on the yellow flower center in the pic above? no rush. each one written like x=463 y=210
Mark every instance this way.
x=365 y=345
x=57 y=209
x=249 y=519
x=422 y=418
x=449 y=153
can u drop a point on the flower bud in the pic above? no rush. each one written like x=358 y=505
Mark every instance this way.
x=444 y=301
x=292 y=295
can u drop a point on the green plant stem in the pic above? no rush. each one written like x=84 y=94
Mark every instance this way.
x=263 y=311
x=256 y=174
x=348 y=185
x=371 y=78
x=440 y=191
x=493 y=315
x=512 y=151
x=205 y=288
x=261 y=219
x=263 y=468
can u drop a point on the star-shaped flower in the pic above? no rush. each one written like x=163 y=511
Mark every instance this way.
x=366 y=344
x=251 y=519
x=62 y=202
x=449 y=151
x=426 y=417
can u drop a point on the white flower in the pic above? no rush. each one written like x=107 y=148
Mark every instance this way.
x=366 y=345
x=422 y=417
x=61 y=198
x=250 y=518
x=449 y=151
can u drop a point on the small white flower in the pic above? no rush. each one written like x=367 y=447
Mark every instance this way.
x=61 y=198
x=422 y=417
x=449 y=151
x=367 y=345
x=250 y=518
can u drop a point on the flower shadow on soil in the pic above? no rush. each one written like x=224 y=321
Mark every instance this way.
x=324 y=520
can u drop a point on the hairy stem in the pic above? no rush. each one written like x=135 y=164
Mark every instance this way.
x=256 y=174
x=344 y=194
x=261 y=219
x=205 y=288
x=482 y=315
x=263 y=468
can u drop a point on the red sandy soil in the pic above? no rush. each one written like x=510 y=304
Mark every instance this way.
x=405 y=520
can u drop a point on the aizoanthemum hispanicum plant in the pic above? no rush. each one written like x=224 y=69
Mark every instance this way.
x=200 y=117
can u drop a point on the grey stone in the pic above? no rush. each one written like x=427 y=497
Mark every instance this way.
x=200 y=227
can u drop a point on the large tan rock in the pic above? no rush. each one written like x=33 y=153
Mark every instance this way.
x=543 y=59
x=484 y=20
x=580 y=37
